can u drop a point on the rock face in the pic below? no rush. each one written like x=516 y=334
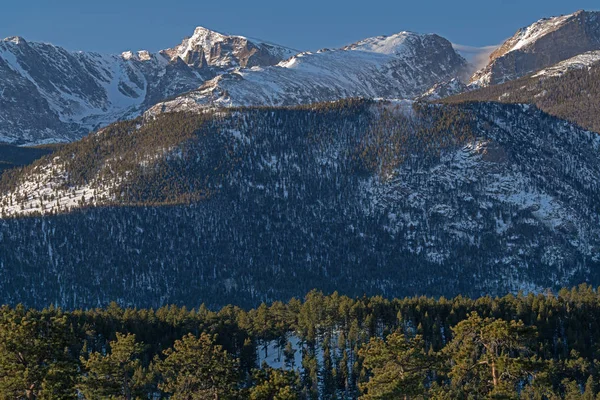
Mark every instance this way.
x=48 y=94
x=359 y=197
x=403 y=65
x=206 y=47
x=541 y=45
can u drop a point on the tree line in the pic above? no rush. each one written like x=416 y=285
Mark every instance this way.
x=534 y=346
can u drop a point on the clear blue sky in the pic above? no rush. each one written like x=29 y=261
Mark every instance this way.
x=118 y=25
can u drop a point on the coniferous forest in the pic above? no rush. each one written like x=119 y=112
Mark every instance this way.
x=543 y=346
x=400 y=218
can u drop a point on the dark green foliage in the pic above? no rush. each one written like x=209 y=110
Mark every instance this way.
x=490 y=357
x=400 y=367
x=541 y=346
x=118 y=374
x=196 y=368
x=274 y=384
x=37 y=354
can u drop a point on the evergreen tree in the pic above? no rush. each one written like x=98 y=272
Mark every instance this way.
x=289 y=354
x=490 y=356
x=275 y=384
x=310 y=375
x=117 y=374
x=399 y=367
x=36 y=360
x=196 y=368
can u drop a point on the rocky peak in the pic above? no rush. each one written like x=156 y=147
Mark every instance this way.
x=141 y=55
x=209 y=48
x=15 y=39
x=402 y=44
x=542 y=44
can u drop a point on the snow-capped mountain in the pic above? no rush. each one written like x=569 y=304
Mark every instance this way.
x=540 y=45
x=569 y=90
x=206 y=47
x=49 y=94
x=257 y=204
x=403 y=65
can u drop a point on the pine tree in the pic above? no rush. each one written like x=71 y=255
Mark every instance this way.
x=490 y=356
x=310 y=375
x=36 y=358
x=197 y=368
x=289 y=354
x=398 y=367
x=590 y=389
x=117 y=374
x=343 y=373
x=274 y=384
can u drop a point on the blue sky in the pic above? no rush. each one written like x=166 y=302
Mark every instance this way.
x=115 y=26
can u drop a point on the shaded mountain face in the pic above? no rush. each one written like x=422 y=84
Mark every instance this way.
x=403 y=65
x=14 y=156
x=48 y=94
x=249 y=205
x=569 y=90
x=541 y=45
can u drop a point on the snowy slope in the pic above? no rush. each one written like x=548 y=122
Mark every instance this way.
x=581 y=61
x=510 y=203
x=398 y=66
x=544 y=43
x=48 y=94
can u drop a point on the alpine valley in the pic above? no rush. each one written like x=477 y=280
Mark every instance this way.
x=228 y=170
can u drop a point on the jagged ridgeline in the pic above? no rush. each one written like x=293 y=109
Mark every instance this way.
x=251 y=204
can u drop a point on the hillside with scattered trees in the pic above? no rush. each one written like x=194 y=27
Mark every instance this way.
x=262 y=204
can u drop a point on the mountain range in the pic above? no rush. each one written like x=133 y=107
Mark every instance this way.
x=48 y=94
x=232 y=170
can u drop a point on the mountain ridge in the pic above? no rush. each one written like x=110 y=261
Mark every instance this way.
x=262 y=203
x=72 y=93
x=379 y=67
x=541 y=44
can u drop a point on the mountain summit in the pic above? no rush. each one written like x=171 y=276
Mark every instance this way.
x=49 y=94
x=540 y=45
x=403 y=65
x=207 y=47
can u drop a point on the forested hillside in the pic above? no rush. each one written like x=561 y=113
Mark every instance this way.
x=263 y=204
x=573 y=95
x=541 y=346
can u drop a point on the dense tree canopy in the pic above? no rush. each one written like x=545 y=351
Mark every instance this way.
x=543 y=346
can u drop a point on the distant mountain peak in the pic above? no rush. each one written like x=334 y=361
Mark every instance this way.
x=394 y=44
x=15 y=40
x=403 y=65
x=210 y=48
x=140 y=55
x=540 y=45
